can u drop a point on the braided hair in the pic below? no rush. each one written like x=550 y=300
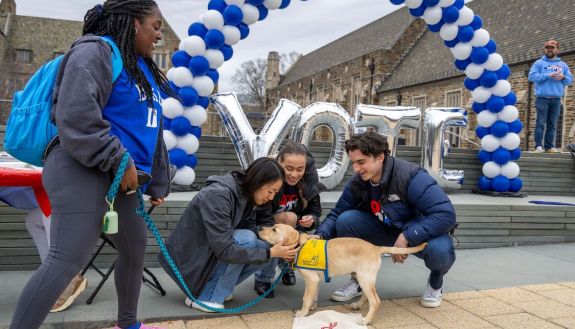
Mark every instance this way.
x=115 y=18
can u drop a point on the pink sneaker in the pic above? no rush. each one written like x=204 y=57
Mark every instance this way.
x=143 y=326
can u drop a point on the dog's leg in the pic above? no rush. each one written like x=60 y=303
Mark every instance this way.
x=367 y=283
x=311 y=287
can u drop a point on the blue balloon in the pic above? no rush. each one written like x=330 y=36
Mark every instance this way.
x=430 y=3
x=450 y=14
x=495 y=104
x=471 y=84
x=499 y=129
x=188 y=96
x=510 y=99
x=198 y=29
x=436 y=27
x=214 y=75
x=500 y=184
x=459 y=4
x=451 y=43
x=167 y=123
x=244 y=30
x=491 y=46
x=484 y=183
x=397 y=2
x=477 y=23
x=461 y=65
x=515 y=154
x=504 y=72
x=285 y=4
x=484 y=156
x=227 y=51
x=196 y=131
x=203 y=102
x=478 y=107
x=419 y=11
x=481 y=131
x=214 y=39
x=465 y=34
x=192 y=161
x=180 y=126
x=218 y=5
x=515 y=184
x=488 y=79
x=180 y=58
x=174 y=87
x=178 y=157
x=199 y=65
x=479 y=55
x=233 y=15
x=256 y=2
x=263 y=12
x=501 y=156
x=516 y=126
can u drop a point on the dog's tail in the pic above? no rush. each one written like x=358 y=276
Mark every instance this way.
x=402 y=251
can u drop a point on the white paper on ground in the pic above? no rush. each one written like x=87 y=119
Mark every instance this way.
x=329 y=320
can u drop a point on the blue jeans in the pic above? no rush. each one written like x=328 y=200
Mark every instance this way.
x=439 y=254
x=226 y=276
x=548 y=110
x=268 y=272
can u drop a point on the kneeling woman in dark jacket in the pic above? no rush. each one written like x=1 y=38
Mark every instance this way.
x=210 y=250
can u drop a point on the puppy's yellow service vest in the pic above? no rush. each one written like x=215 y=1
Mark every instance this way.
x=313 y=256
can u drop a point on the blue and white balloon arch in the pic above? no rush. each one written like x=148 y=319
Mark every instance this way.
x=226 y=22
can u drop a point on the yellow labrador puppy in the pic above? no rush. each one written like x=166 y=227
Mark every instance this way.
x=345 y=255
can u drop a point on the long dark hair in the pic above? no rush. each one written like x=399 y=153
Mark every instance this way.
x=259 y=173
x=292 y=148
x=115 y=18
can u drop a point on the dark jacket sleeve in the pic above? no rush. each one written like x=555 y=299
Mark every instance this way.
x=215 y=214
x=159 y=187
x=437 y=215
x=265 y=215
x=347 y=201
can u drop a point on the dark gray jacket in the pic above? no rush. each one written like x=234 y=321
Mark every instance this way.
x=82 y=89
x=204 y=233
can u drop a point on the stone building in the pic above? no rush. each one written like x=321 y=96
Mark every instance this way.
x=396 y=61
x=28 y=42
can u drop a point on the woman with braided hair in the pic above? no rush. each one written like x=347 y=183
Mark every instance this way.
x=99 y=119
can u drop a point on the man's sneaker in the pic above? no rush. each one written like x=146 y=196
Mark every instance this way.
x=552 y=150
x=431 y=297
x=348 y=291
x=191 y=304
x=539 y=149
x=73 y=290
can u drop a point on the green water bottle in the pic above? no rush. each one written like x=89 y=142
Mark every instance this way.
x=110 y=224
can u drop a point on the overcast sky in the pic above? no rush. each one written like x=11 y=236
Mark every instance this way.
x=303 y=27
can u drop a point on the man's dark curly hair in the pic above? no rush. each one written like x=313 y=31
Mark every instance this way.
x=369 y=143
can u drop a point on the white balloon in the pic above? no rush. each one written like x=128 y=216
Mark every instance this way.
x=215 y=58
x=188 y=143
x=502 y=88
x=509 y=114
x=232 y=35
x=481 y=94
x=466 y=16
x=182 y=77
x=204 y=85
x=196 y=114
x=194 y=45
x=272 y=4
x=181 y=45
x=480 y=38
x=474 y=71
x=432 y=15
x=491 y=169
x=510 y=141
x=184 y=176
x=170 y=73
x=251 y=14
x=172 y=108
x=413 y=3
x=213 y=19
x=238 y=3
x=170 y=139
x=510 y=170
x=490 y=143
x=494 y=62
x=486 y=118
x=462 y=50
x=449 y=32
x=446 y=3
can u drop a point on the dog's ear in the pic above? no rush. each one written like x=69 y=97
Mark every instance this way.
x=303 y=237
x=293 y=236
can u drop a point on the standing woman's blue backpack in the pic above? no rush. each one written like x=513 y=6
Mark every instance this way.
x=29 y=129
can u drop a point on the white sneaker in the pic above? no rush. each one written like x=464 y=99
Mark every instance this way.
x=230 y=297
x=191 y=304
x=431 y=297
x=539 y=149
x=348 y=291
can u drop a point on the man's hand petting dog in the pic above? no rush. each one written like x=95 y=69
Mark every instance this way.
x=286 y=252
x=401 y=242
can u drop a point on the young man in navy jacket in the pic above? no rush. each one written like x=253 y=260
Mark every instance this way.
x=392 y=202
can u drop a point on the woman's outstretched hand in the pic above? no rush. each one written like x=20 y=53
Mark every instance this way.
x=286 y=252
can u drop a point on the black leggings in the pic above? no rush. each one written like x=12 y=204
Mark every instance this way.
x=78 y=205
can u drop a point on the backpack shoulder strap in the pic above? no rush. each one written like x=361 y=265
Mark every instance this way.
x=117 y=63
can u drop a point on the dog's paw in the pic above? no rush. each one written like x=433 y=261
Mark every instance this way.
x=313 y=306
x=363 y=322
x=301 y=313
x=354 y=306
